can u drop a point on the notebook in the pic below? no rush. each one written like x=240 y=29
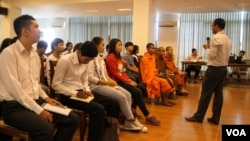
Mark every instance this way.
x=87 y=100
x=59 y=109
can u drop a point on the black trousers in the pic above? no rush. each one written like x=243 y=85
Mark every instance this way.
x=137 y=97
x=196 y=69
x=212 y=83
x=98 y=108
x=16 y=115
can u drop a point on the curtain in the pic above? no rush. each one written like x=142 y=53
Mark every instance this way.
x=121 y=28
x=246 y=34
x=196 y=27
x=107 y=27
x=85 y=28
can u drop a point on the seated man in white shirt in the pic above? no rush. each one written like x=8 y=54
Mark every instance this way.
x=241 y=59
x=21 y=93
x=194 y=56
x=57 y=46
x=71 y=79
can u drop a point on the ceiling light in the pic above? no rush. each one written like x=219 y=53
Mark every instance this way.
x=189 y=7
x=198 y=6
x=194 y=6
x=242 y=4
x=124 y=9
x=92 y=11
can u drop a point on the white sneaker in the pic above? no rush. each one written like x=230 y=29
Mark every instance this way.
x=143 y=128
x=128 y=125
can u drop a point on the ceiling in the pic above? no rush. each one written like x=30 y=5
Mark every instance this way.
x=72 y=8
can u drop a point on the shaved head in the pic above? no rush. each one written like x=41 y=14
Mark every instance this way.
x=161 y=49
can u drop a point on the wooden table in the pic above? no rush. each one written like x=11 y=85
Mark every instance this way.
x=200 y=63
x=194 y=63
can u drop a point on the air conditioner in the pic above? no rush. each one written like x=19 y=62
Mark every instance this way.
x=58 y=24
x=168 y=24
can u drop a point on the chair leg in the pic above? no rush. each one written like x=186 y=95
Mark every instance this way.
x=83 y=127
x=82 y=132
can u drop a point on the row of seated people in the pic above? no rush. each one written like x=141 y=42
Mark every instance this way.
x=41 y=47
x=94 y=77
x=114 y=70
x=81 y=74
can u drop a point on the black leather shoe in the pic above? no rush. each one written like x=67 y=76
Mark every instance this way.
x=212 y=121
x=192 y=119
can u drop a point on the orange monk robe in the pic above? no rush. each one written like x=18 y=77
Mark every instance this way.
x=169 y=62
x=155 y=84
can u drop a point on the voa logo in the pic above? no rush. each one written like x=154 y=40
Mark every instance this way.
x=236 y=132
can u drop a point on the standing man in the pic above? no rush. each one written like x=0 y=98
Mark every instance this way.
x=21 y=93
x=218 y=51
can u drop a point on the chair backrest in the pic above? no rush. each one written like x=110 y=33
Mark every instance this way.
x=52 y=72
x=43 y=79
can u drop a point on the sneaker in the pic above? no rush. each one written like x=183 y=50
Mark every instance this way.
x=143 y=128
x=128 y=125
x=152 y=120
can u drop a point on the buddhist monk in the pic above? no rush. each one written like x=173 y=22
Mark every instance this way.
x=156 y=86
x=164 y=72
x=170 y=64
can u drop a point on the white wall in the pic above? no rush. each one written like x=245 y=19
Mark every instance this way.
x=168 y=36
x=6 y=22
x=50 y=32
x=143 y=24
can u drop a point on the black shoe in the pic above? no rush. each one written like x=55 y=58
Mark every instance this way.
x=192 y=119
x=212 y=121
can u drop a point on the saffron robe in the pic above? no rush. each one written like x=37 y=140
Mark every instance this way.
x=155 y=85
x=169 y=62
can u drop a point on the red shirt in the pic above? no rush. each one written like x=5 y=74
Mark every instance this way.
x=115 y=69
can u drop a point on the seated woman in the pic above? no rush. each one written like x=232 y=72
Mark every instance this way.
x=101 y=83
x=115 y=70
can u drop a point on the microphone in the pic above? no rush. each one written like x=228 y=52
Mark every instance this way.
x=208 y=43
x=208 y=38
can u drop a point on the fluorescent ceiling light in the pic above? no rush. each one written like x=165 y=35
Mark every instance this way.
x=124 y=9
x=92 y=11
x=194 y=6
x=242 y=4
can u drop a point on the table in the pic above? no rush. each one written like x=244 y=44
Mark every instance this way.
x=194 y=63
x=200 y=63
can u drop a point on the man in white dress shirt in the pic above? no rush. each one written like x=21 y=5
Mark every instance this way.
x=218 y=51
x=21 y=93
x=71 y=79
x=194 y=56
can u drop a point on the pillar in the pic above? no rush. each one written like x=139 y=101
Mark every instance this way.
x=143 y=24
